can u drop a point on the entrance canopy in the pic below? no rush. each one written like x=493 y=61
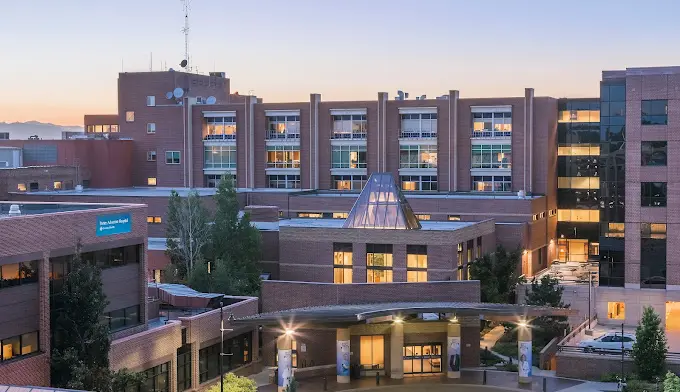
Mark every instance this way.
x=344 y=314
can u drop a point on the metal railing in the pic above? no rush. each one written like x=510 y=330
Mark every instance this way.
x=274 y=135
x=349 y=135
x=671 y=356
x=231 y=136
x=416 y=134
x=489 y=133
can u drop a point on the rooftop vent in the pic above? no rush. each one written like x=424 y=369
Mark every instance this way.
x=14 y=210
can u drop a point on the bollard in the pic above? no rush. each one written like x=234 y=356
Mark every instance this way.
x=325 y=383
x=545 y=384
x=484 y=378
x=377 y=378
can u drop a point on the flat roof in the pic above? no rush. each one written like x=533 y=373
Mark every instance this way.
x=338 y=224
x=363 y=312
x=150 y=191
x=26 y=388
x=35 y=208
x=428 y=195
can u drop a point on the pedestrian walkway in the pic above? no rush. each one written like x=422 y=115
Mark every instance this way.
x=490 y=339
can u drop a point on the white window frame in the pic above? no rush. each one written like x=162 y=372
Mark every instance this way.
x=340 y=150
x=288 y=151
x=283 y=127
x=498 y=118
x=497 y=179
x=419 y=131
x=420 y=150
x=150 y=100
x=213 y=151
x=343 y=126
x=491 y=149
x=130 y=116
x=356 y=181
x=216 y=128
x=151 y=156
x=419 y=182
x=172 y=157
x=288 y=180
x=151 y=128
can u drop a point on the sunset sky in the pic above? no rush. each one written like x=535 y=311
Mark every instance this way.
x=60 y=59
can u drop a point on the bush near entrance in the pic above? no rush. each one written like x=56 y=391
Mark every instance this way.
x=234 y=383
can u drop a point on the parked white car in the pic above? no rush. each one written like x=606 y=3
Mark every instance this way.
x=610 y=341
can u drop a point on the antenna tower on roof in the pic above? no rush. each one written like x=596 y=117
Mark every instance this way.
x=187 y=7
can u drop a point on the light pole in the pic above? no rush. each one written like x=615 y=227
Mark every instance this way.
x=222 y=353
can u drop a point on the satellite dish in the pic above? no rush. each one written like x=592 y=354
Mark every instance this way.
x=183 y=64
x=211 y=100
x=168 y=95
x=171 y=70
x=178 y=92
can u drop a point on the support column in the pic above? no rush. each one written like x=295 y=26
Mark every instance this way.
x=284 y=344
x=397 y=350
x=524 y=355
x=453 y=350
x=342 y=355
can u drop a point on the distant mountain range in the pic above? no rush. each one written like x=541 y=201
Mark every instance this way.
x=24 y=130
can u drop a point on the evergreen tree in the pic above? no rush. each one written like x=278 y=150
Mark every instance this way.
x=199 y=278
x=547 y=292
x=188 y=231
x=650 y=348
x=498 y=274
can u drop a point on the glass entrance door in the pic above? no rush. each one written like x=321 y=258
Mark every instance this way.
x=422 y=358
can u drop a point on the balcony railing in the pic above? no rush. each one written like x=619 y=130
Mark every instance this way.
x=349 y=135
x=416 y=134
x=227 y=165
x=283 y=165
x=231 y=136
x=274 y=135
x=489 y=133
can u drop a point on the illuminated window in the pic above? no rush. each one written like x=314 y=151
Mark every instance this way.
x=579 y=150
x=616 y=230
x=566 y=116
x=340 y=215
x=129 y=116
x=57 y=185
x=150 y=100
x=378 y=263
x=578 y=215
x=283 y=127
x=423 y=216
x=283 y=157
x=151 y=156
x=21 y=187
x=314 y=215
x=151 y=128
x=372 y=352
x=348 y=157
x=418 y=125
x=492 y=124
x=342 y=263
x=349 y=126
x=418 y=157
x=616 y=310
x=578 y=182
x=153 y=219
x=418 y=183
x=460 y=261
x=454 y=217
x=416 y=263
x=491 y=156
x=17 y=346
x=220 y=128
x=655 y=231
x=491 y=183
x=151 y=181
x=348 y=182
x=114 y=128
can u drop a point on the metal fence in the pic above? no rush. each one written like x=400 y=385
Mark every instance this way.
x=671 y=356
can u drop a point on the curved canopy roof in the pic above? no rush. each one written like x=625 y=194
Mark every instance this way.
x=363 y=312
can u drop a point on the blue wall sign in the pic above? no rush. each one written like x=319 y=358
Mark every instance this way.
x=114 y=224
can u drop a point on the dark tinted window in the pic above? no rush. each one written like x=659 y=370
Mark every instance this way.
x=654 y=153
x=654 y=112
x=653 y=194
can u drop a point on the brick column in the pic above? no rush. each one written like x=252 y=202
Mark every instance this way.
x=143 y=279
x=358 y=263
x=173 y=372
x=44 y=301
x=399 y=263
x=194 y=366
x=453 y=140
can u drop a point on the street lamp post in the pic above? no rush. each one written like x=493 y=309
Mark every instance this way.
x=222 y=353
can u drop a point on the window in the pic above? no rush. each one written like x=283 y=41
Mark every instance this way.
x=348 y=182
x=654 y=153
x=349 y=126
x=57 y=185
x=340 y=215
x=151 y=181
x=348 y=157
x=378 y=263
x=172 y=157
x=478 y=248
x=372 y=352
x=18 y=274
x=114 y=127
x=213 y=180
x=568 y=116
x=21 y=187
x=423 y=216
x=655 y=112
x=123 y=318
x=454 y=217
x=184 y=367
x=416 y=263
x=491 y=156
x=106 y=128
x=313 y=215
x=578 y=150
x=342 y=263
x=150 y=100
x=4 y=135
x=418 y=125
x=460 y=261
x=151 y=128
x=419 y=183
x=653 y=248
x=653 y=194
x=283 y=157
x=219 y=157
x=491 y=183
x=283 y=181
x=153 y=219
x=156 y=379
x=578 y=182
x=129 y=116
x=239 y=349
x=17 y=346
x=42 y=154
x=422 y=358
x=151 y=156
x=220 y=128
x=470 y=247
x=418 y=157
x=33 y=187
x=655 y=231
x=578 y=215
x=491 y=124
x=616 y=310
x=283 y=127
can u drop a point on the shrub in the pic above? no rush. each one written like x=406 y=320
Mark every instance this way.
x=234 y=383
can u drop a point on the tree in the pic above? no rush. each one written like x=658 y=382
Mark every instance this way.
x=292 y=385
x=671 y=383
x=547 y=292
x=188 y=230
x=234 y=383
x=650 y=348
x=199 y=277
x=498 y=274
x=80 y=349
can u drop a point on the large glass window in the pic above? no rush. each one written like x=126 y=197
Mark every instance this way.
x=17 y=346
x=372 y=352
x=349 y=126
x=342 y=263
x=417 y=156
x=220 y=128
x=378 y=263
x=123 y=318
x=418 y=125
x=460 y=261
x=585 y=116
x=578 y=182
x=184 y=367
x=422 y=358
x=284 y=181
x=491 y=124
x=654 y=153
x=491 y=183
x=416 y=263
x=213 y=180
x=348 y=157
x=655 y=112
x=578 y=215
x=491 y=156
x=653 y=255
x=239 y=352
x=156 y=379
x=283 y=127
x=172 y=157
x=419 y=183
x=579 y=150
x=348 y=182
x=616 y=310
x=18 y=274
x=219 y=157
x=283 y=157
x=653 y=194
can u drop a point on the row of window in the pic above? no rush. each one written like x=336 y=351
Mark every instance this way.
x=239 y=350
x=653 y=153
x=20 y=345
x=106 y=258
x=35 y=187
x=18 y=274
x=102 y=128
x=156 y=379
x=123 y=318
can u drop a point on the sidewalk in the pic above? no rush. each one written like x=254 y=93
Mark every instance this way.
x=490 y=339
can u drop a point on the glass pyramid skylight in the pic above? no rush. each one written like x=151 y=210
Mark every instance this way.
x=381 y=205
